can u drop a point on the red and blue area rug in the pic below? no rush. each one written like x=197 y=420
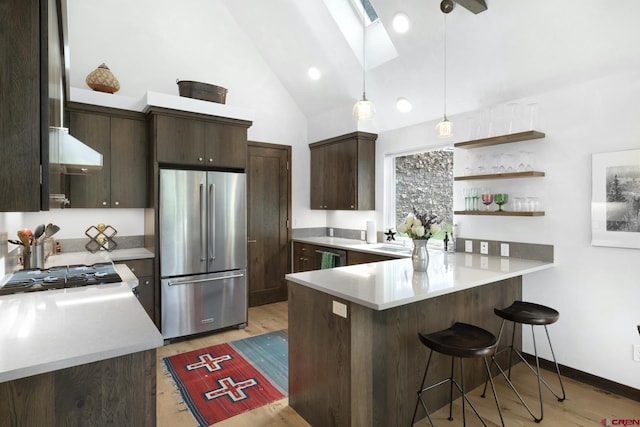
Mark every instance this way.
x=225 y=380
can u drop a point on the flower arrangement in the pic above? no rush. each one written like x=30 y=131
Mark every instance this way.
x=420 y=226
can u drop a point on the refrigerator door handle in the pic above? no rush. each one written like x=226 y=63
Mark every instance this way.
x=203 y=226
x=212 y=219
x=188 y=282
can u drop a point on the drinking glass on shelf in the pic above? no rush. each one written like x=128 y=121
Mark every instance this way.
x=487 y=198
x=517 y=204
x=475 y=195
x=514 y=116
x=532 y=115
x=467 y=199
x=500 y=199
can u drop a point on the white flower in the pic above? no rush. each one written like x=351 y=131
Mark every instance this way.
x=402 y=228
x=434 y=228
x=418 y=230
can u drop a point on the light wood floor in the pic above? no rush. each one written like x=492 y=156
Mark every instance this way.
x=584 y=406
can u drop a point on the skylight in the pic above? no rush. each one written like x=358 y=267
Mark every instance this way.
x=370 y=13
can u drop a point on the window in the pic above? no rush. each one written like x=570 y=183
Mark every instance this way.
x=423 y=181
x=370 y=13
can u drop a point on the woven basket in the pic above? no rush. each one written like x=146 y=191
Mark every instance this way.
x=103 y=80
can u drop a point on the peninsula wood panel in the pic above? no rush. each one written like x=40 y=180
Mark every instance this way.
x=377 y=354
x=119 y=391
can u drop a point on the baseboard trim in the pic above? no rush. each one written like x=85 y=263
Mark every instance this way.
x=586 y=378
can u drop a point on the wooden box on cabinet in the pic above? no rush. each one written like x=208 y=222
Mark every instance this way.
x=197 y=140
x=121 y=137
x=343 y=172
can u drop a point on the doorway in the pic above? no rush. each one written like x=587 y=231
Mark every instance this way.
x=268 y=220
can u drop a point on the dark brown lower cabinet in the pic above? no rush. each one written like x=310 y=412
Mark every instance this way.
x=269 y=232
x=120 y=392
x=146 y=290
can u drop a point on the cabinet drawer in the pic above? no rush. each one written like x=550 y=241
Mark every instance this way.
x=303 y=249
x=140 y=267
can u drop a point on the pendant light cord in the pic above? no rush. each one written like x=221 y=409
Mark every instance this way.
x=364 y=61
x=445 y=66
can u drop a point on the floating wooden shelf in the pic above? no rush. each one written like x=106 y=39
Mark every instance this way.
x=499 y=213
x=502 y=139
x=527 y=174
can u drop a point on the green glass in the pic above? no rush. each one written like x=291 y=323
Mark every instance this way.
x=500 y=199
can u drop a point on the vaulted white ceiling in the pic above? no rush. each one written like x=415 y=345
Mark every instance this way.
x=515 y=49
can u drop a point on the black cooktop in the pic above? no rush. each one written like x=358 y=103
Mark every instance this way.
x=35 y=279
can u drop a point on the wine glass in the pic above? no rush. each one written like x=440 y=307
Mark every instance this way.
x=487 y=198
x=500 y=199
x=475 y=195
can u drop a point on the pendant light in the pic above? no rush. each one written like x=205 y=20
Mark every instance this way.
x=444 y=129
x=364 y=109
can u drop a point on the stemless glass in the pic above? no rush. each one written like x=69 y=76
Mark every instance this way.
x=467 y=199
x=500 y=199
x=487 y=198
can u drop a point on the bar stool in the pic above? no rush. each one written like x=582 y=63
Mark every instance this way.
x=535 y=315
x=463 y=341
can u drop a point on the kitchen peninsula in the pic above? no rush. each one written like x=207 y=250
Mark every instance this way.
x=78 y=356
x=354 y=353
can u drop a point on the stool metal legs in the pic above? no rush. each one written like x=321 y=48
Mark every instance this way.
x=461 y=389
x=536 y=371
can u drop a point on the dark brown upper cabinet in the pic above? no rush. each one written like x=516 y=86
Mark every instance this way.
x=31 y=76
x=343 y=172
x=190 y=139
x=122 y=139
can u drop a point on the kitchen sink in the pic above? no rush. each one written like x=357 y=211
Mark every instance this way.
x=391 y=248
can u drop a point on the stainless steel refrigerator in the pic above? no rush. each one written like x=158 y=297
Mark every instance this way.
x=203 y=252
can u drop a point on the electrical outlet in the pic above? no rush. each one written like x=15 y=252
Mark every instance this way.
x=504 y=249
x=362 y=235
x=636 y=352
x=331 y=232
x=340 y=309
x=468 y=245
x=484 y=248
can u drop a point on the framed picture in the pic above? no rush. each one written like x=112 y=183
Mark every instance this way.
x=615 y=199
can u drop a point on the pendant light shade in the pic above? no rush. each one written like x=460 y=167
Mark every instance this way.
x=444 y=129
x=364 y=109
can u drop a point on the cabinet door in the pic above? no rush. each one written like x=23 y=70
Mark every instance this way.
x=146 y=290
x=303 y=257
x=318 y=177
x=355 y=257
x=129 y=156
x=345 y=169
x=179 y=141
x=225 y=145
x=20 y=119
x=91 y=191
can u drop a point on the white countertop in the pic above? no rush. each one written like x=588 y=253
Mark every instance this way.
x=48 y=330
x=56 y=329
x=388 y=284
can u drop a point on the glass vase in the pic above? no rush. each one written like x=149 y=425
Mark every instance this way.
x=420 y=255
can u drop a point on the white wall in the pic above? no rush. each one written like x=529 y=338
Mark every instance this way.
x=595 y=289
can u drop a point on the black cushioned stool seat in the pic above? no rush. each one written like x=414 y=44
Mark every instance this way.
x=461 y=340
x=528 y=313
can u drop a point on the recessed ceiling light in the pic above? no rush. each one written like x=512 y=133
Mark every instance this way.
x=401 y=22
x=403 y=105
x=314 y=73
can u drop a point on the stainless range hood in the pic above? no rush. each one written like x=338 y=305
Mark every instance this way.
x=70 y=155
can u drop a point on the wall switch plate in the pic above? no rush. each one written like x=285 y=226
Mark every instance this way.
x=331 y=232
x=484 y=248
x=504 y=249
x=340 y=309
x=636 y=352
x=362 y=235
x=468 y=245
